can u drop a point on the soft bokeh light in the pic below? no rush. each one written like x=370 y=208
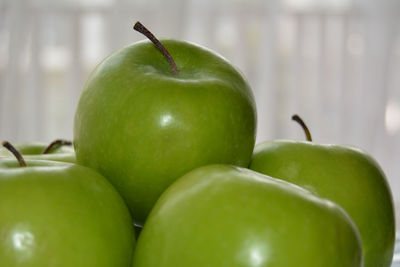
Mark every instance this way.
x=392 y=117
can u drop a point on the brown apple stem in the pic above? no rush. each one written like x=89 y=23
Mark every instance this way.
x=303 y=125
x=142 y=29
x=13 y=150
x=55 y=144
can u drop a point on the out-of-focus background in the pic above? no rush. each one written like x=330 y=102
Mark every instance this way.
x=334 y=62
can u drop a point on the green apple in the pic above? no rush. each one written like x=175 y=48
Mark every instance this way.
x=343 y=174
x=221 y=215
x=58 y=150
x=142 y=125
x=61 y=214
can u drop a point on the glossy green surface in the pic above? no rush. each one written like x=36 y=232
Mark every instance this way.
x=221 y=215
x=33 y=151
x=60 y=214
x=345 y=175
x=142 y=127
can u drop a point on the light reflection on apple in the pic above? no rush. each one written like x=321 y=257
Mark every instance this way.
x=23 y=242
x=254 y=252
x=166 y=120
x=257 y=257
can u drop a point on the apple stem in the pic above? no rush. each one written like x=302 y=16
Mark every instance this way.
x=142 y=29
x=56 y=143
x=303 y=125
x=13 y=150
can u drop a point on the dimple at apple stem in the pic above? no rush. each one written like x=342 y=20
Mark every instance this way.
x=299 y=120
x=56 y=143
x=13 y=150
x=142 y=29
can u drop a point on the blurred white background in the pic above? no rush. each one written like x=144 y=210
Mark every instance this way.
x=334 y=62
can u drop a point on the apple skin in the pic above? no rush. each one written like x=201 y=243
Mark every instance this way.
x=60 y=214
x=220 y=215
x=345 y=175
x=33 y=151
x=142 y=127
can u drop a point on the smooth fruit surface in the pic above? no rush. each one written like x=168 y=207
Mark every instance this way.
x=345 y=175
x=142 y=127
x=59 y=214
x=220 y=215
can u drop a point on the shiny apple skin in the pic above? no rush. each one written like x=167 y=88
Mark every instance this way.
x=33 y=151
x=345 y=175
x=221 y=215
x=142 y=127
x=59 y=214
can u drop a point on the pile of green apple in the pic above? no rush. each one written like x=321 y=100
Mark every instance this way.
x=164 y=145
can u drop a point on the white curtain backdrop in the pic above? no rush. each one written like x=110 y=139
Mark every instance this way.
x=336 y=63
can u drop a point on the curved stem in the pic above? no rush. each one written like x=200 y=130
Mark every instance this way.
x=13 y=150
x=56 y=143
x=142 y=29
x=303 y=125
